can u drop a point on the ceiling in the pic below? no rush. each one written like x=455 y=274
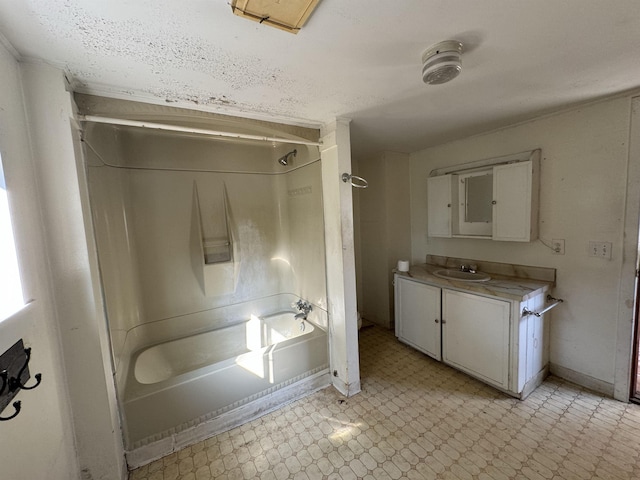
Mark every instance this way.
x=358 y=59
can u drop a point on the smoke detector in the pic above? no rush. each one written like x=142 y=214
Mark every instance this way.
x=441 y=62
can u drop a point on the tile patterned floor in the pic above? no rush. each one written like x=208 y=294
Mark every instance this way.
x=417 y=418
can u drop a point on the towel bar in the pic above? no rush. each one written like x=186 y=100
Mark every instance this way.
x=556 y=302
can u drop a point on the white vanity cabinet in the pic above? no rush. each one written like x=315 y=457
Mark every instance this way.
x=475 y=336
x=487 y=337
x=418 y=316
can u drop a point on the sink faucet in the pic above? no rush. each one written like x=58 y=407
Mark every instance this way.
x=469 y=268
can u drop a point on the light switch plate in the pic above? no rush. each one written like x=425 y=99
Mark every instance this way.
x=600 y=250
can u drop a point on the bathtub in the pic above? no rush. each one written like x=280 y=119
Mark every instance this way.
x=178 y=384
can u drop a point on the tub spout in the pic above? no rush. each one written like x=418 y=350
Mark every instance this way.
x=302 y=316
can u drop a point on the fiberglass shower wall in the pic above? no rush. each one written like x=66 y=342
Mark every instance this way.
x=160 y=200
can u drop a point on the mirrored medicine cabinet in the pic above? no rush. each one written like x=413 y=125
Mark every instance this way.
x=492 y=199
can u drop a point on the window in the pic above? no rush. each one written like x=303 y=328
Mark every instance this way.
x=11 y=299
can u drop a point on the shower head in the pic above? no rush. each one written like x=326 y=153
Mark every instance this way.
x=284 y=160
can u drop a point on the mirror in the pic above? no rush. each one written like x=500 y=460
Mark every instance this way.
x=475 y=208
x=478 y=198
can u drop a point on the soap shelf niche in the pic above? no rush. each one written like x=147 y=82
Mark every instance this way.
x=14 y=375
x=217 y=245
x=215 y=252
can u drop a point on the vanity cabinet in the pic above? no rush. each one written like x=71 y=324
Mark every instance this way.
x=486 y=337
x=418 y=316
x=475 y=335
x=497 y=202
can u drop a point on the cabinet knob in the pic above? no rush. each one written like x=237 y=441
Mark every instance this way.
x=437 y=321
x=449 y=205
x=493 y=202
x=444 y=321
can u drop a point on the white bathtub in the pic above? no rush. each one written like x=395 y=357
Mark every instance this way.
x=181 y=383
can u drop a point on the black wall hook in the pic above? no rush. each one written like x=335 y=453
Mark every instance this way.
x=17 y=405
x=14 y=376
x=15 y=383
x=3 y=376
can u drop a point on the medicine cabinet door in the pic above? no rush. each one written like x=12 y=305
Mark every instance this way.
x=514 y=208
x=439 y=208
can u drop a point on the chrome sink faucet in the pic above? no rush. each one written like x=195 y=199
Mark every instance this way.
x=469 y=268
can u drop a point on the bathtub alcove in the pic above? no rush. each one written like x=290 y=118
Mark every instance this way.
x=204 y=246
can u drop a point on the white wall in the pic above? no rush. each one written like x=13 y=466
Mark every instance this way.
x=384 y=221
x=357 y=237
x=340 y=257
x=583 y=187
x=68 y=251
x=39 y=442
x=109 y=194
x=302 y=194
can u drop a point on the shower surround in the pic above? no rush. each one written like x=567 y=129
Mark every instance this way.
x=201 y=242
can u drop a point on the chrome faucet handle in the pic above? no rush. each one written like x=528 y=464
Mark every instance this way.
x=303 y=306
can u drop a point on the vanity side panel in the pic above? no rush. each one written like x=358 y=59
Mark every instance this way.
x=520 y=351
x=538 y=337
x=536 y=358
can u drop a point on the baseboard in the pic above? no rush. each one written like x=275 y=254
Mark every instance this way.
x=346 y=389
x=534 y=383
x=586 y=381
x=374 y=320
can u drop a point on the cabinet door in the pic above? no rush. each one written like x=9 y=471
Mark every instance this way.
x=514 y=212
x=439 y=198
x=475 y=336
x=418 y=316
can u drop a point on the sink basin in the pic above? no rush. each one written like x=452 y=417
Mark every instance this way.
x=459 y=275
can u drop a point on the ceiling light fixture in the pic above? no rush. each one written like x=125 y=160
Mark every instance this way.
x=441 y=62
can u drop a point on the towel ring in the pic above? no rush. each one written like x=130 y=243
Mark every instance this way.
x=360 y=182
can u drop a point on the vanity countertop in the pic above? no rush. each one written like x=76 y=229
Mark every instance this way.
x=501 y=286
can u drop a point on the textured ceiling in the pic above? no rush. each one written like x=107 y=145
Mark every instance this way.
x=358 y=59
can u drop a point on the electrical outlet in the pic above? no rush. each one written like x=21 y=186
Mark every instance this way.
x=600 y=249
x=558 y=246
